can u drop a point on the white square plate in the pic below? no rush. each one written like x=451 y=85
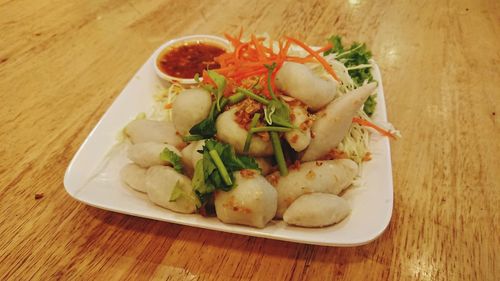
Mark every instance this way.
x=93 y=177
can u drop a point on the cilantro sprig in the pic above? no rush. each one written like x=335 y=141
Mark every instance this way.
x=357 y=54
x=206 y=128
x=215 y=169
x=172 y=158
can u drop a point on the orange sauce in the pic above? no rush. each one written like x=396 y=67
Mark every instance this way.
x=186 y=60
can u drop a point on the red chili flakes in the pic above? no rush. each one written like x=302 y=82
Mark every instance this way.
x=367 y=157
x=273 y=178
x=306 y=124
x=319 y=163
x=242 y=209
x=313 y=135
x=294 y=102
x=335 y=154
x=245 y=112
x=295 y=165
x=246 y=173
x=294 y=138
x=310 y=175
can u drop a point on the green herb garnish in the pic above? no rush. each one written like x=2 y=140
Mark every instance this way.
x=356 y=55
x=215 y=169
x=172 y=158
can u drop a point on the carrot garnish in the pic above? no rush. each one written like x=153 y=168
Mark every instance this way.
x=207 y=79
x=253 y=57
x=320 y=59
x=324 y=48
x=367 y=123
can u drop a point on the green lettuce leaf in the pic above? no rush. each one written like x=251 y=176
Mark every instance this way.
x=172 y=158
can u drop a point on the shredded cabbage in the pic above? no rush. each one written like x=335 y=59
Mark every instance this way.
x=163 y=98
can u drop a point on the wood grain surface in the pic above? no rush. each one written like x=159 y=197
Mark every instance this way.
x=63 y=62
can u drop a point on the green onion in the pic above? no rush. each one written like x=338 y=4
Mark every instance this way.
x=190 y=138
x=255 y=119
x=253 y=96
x=278 y=153
x=236 y=98
x=220 y=166
x=270 y=69
x=269 y=129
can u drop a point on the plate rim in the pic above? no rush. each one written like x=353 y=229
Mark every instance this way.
x=237 y=229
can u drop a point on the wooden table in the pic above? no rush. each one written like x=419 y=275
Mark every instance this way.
x=63 y=62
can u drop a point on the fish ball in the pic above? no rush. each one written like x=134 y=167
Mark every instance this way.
x=334 y=122
x=229 y=131
x=134 y=176
x=143 y=130
x=160 y=183
x=252 y=202
x=331 y=176
x=147 y=154
x=300 y=82
x=190 y=107
x=316 y=210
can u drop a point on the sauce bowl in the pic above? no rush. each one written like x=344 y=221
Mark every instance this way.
x=184 y=41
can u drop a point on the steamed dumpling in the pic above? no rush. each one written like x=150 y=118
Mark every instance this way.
x=330 y=176
x=143 y=130
x=189 y=108
x=300 y=137
x=252 y=202
x=317 y=210
x=160 y=183
x=334 y=122
x=300 y=82
x=147 y=154
x=134 y=176
x=230 y=132
x=190 y=155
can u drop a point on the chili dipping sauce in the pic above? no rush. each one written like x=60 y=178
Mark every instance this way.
x=186 y=60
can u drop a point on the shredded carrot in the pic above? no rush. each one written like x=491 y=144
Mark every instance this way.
x=207 y=79
x=367 y=123
x=168 y=105
x=320 y=59
x=324 y=48
x=249 y=59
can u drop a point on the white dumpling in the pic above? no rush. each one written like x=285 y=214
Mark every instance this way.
x=300 y=82
x=300 y=137
x=187 y=154
x=334 y=121
x=252 y=202
x=147 y=154
x=134 y=176
x=317 y=210
x=143 y=130
x=195 y=156
x=190 y=155
x=230 y=132
x=160 y=183
x=331 y=176
x=190 y=107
